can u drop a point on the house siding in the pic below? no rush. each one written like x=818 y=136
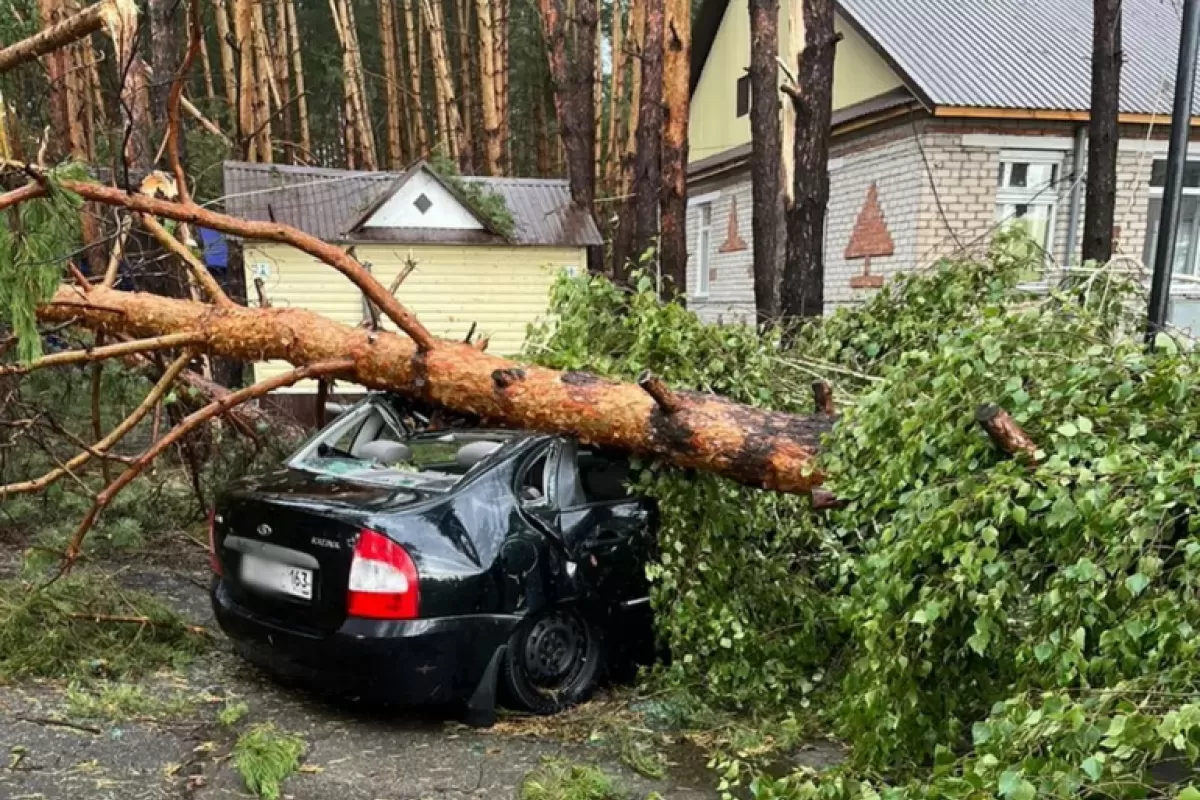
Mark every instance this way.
x=731 y=273
x=500 y=289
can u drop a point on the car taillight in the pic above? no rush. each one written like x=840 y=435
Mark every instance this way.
x=383 y=579
x=213 y=561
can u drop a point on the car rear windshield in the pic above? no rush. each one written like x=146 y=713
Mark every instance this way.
x=367 y=444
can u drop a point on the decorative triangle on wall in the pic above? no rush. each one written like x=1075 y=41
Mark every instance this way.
x=733 y=240
x=869 y=239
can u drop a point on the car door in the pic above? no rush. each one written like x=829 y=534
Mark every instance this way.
x=604 y=529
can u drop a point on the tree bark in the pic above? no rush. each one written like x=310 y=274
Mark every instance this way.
x=627 y=227
x=365 y=130
x=1005 y=433
x=413 y=34
x=228 y=63
x=466 y=158
x=647 y=165
x=1103 y=133
x=391 y=79
x=676 y=96
x=282 y=69
x=91 y=19
x=694 y=431
x=573 y=79
x=494 y=151
x=243 y=26
x=298 y=73
x=447 y=103
x=166 y=51
x=803 y=290
x=766 y=167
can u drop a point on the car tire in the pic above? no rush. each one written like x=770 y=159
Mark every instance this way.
x=553 y=661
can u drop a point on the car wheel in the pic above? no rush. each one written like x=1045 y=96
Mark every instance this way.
x=553 y=661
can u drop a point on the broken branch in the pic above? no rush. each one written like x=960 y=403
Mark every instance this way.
x=102 y=353
x=76 y=26
x=662 y=395
x=199 y=271
x=823 y=398
x=1005 y=433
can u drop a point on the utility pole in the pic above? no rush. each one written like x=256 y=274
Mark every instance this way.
x=1181 y=123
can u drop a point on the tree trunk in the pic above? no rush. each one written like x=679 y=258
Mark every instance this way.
x=647 y=165
x=283 y=79
x=391 y=79
x=541 y=123
x=228 y=68
x=1103 y=133
x=365 y=131
x=676 y=94
x=206 y=69
x=766 y=167
x=262 y=86
x=412 y=32
x=298 y=73
x=447 y=104
x=803 y=291
x=488 y=84
x=112 y=13
x=616 y=100
x=466 y=158
x=501 y=73
x=690 y=430
x=166 y=50
x=624 y=241
x=573 y=79
x=243 y=28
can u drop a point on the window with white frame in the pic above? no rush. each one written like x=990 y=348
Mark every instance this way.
x=1027 y=193
x=1187 y=238
x=703 y=247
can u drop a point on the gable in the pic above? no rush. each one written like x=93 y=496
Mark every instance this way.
x=422 y=201
x=859 y=74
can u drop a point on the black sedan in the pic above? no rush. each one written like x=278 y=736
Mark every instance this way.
x=436 y=567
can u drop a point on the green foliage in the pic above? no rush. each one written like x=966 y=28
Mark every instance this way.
x=478 y=196
x=960 y=595
x=124 y=701
x=561 y=780
x=52 y=631
x=36 y=239
x=232 y=713
x=264 y=756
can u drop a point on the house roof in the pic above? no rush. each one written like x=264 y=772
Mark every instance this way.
x=327 y=203
x=356 y=228
x=1003 y=54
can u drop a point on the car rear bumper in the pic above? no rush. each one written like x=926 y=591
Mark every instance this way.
x=437 y=660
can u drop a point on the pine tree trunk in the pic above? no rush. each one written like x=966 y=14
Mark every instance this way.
x=366 y=132
x=542 y=124
x=573 y=79
x=803 y=286
x=447 y=104
x=262 y=86
x=624 y=242
x=502 y=74
x=766 y=167
x=616 y=95
x=676 y=96
x=206 y=67
x=283 y=78
x=298 y=73
x=228 y=69
x=646 y=173
x=467 y=156
x=391 y=78
x=243 y=31
x=412 y=25
x=488 y=84
x=1103 y=132
x=166 y=48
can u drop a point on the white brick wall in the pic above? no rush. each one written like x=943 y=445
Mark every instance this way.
x=925 y=225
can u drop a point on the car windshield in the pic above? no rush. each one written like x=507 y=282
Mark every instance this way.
x=368 y=445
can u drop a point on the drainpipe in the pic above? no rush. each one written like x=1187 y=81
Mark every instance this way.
x=1076 y=203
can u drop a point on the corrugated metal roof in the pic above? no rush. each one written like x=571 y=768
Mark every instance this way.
x=327 y=202
x=1030 y=54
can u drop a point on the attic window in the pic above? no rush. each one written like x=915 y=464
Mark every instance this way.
x=423 y=203
x=743 y=95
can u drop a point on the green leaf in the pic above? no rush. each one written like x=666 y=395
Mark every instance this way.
x=1136 y=583
x=1189 y=792
x=1093 y=767
x=1068 y=430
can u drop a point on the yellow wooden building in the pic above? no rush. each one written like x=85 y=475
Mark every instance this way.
x=468 y=272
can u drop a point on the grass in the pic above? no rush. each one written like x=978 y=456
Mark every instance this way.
x=53 y=632
x=123 y=701
x=232 y=713
x=561 y=780
x=264 y=756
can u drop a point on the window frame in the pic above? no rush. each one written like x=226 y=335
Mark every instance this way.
x=742 y=91
x=1155 y=194
x=1046 y=196
x=703 y=256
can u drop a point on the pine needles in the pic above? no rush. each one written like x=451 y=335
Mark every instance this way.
x=264 y=756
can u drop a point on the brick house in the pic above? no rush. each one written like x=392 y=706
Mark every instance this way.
x=951 y=119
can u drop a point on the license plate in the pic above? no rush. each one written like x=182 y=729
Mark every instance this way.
x=262 y=573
